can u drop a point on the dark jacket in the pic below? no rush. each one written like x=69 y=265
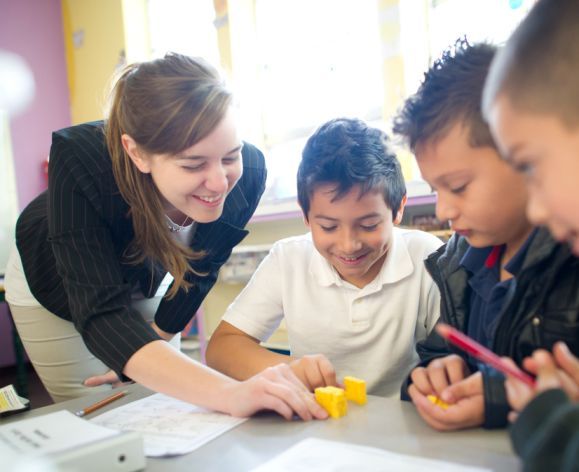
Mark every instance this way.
x=72 y=239
x=546 y=433
x=541 y=307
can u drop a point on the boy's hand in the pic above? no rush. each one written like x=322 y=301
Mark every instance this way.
x=466 y=404
x=560 y=370
x=439 y=374
x=314 y=371
x=567 y=368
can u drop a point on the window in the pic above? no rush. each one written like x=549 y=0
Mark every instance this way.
x=298 y=63
x=317 y=60
x=183 y=26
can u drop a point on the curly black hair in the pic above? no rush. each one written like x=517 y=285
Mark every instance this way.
x=449 y=93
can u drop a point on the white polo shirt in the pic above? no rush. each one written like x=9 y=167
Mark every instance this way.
x=367 y=332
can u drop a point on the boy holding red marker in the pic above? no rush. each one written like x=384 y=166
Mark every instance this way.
x=531 y=101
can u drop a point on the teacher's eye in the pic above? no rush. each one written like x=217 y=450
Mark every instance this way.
x=231 y=159
x=328 y=229
x=459 y=189
x=193 y=168
x=369 y=227
x=525 y=168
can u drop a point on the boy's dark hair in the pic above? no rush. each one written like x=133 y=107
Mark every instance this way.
x=347 y=152
x=450 y=93
x=539 y=66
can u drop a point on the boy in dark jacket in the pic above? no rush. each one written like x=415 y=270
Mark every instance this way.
x=502 y=281
x=531 y=100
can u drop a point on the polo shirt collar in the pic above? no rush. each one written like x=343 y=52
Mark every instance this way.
x=397 y=266
x=475 y=258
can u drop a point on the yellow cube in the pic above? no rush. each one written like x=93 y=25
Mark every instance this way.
x=438 y=402
x=333 y=400
x=355 y=390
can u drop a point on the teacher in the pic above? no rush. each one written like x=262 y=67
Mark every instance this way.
x=163 y=186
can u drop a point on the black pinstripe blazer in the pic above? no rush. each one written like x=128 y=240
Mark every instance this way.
x=71 y=239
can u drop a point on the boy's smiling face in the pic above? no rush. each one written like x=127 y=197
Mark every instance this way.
x=546 y=152
x=353 y=232
x=481 y=196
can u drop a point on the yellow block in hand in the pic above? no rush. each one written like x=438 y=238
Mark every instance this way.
x=355 y=390
x=333 y=400
x=438 y=402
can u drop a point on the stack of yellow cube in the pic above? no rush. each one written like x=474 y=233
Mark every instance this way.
x=333 y=399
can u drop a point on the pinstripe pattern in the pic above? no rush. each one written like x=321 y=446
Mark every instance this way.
x=72 y=236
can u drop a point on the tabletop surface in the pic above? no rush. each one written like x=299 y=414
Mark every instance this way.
x=383 y=423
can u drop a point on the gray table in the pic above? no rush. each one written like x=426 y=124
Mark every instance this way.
x=383 y=423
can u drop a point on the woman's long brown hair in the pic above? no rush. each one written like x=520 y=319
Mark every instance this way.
x=166 y=105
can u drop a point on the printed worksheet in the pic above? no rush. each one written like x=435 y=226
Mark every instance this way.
x=169 y=426
x=314 y=455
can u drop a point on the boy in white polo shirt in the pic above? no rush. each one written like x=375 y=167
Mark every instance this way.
x=354 y=292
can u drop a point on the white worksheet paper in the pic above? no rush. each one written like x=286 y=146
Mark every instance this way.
x=169 y=426
x=317 y=455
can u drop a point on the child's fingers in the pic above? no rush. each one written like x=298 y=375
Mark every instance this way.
x=457 y=416
x=438 y=376
x=544 y=360
x=315 y=371
x=465 y=388
x=456 y=368
x=518 y=393
x=420 y=381
x=567 y=361
x=320 y=372
x=569 y=385
x=512 y=417
x=530 y=365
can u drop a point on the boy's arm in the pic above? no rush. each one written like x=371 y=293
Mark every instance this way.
x=252 y=317
x=239 y=355
x=257 y=311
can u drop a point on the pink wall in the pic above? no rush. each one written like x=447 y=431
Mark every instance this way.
x=33 y=29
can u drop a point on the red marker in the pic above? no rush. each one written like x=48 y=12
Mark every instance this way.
x=483 y=354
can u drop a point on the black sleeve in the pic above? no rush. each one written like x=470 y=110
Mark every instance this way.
x=495 y=397
x=86 y=259
x=546 y=433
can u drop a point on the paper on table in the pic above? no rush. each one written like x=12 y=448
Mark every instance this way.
x=319 y=454
x=47 y=434
x=169 y=426
x=10 y=401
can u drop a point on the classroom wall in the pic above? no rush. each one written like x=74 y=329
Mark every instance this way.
x=95 y=48
x=33 y=29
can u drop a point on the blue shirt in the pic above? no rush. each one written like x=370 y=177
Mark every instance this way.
x=488 y=292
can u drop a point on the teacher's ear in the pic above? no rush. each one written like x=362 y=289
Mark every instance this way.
x=137 y=155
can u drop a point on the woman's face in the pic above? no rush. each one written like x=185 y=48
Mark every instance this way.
x=194 y=183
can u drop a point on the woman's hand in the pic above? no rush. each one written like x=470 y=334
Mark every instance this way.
x=276 y=388
x=109 y=378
